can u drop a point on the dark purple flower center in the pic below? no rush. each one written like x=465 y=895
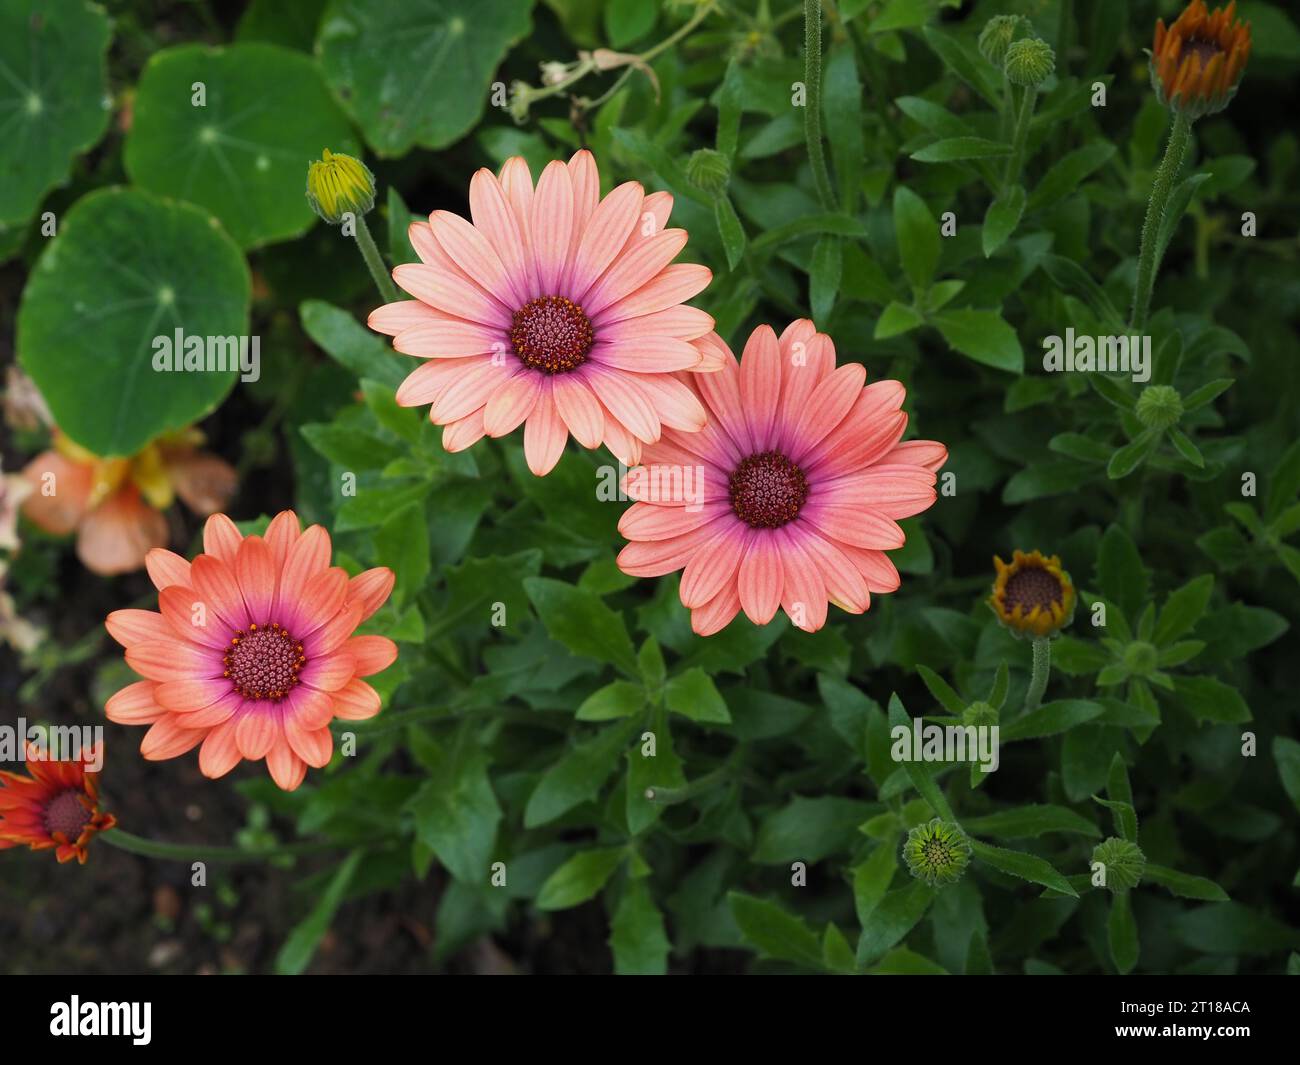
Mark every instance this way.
x=767 y=490
x=263 y=663
x=551 y=334
x=1032 y=587
x=65 y=813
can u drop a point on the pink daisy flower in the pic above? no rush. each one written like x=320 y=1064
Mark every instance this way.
x=554 y=309
x=790 y=496
x=253 y=652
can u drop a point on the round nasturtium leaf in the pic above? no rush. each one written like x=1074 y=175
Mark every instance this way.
x=126 y=271
x=54 y=100
x=418 y=72
x=233 y=129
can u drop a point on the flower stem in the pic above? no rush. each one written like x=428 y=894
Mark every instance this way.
x=1042 y=669
x=374 y=262
x=187 y=852
x=812 y=112
x=1175 y=151
x=1020 y=137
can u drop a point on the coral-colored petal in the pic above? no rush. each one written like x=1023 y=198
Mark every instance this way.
x=827 y=406
x=717 y=613
x=544 y=435
x=647 y=355
x=356 y=701
x=715 y=564
x=329 y=673
x=803 y=591
x=166 y=568
x=626 y=400
x=494 y=218
x=856 y=525
x=173 y=660
x=633 y=269
x=760 y=579
x=134 y=705
x=182 y=696
x=579 y=409
x=604 y=236
x=319 y=604
x=681 y=322
x=371 y=589
x=60 y=491
x=167 y=739
x=219 y=753
x=372 y=654
x=211 y=716
x=845 y=585
x=309 y=556
x=309 y=708
x=450 y=294
x=257 y=729
x=128 y=627
x=760 y=386
x=393 y=318
x=470 y=251
x=221 y=537
x=255 y=570
x=189 y=618
x=313 y=746
x=330 y=636
x=551 y=225
x=675 y=284
x=285 y=767
x=214 y=582
x=676 y=404
x=204 y=483
x=509 y=405
x=281 y=535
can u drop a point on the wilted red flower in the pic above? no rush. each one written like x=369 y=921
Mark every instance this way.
x=253 y=653
x=1197 y=63
x=57 y=807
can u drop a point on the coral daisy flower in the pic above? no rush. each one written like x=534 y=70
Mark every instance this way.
x=789 y=497
x=1197 y=63
x=555 y=309
x=57 y=807
x=115 y=504
x=1033 y=596
x=253 y=653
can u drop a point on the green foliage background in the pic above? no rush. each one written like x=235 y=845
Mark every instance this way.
x=531 y=668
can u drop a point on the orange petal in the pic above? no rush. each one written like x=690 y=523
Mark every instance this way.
x=68 y=485
x=118 y=534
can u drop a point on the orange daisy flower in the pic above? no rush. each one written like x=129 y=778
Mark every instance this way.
x=115 y=505
x=1197 y=63
x=253 y=653
x=1033 y=596
x=57 y=807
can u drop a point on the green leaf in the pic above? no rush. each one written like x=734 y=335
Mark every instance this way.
x=962 y=59
x=889 y=922
x=1206 y=394
x=1024 y=822
x=942 y=690
x=872 y=878
x=636 y=933
x=842 y=114
x=1065 y=175
x=902 y=15
x=730 y=107
x=897 y=319
x=1120 y=573
x=1120 y=792
x=809 y=830
x=107 y=294
x=1184 y=446
x=1209 y=699
x=824 y=277
x=576 y=778
x=954 y=149
x=1184 y=885
x=243 y=154
x=774 y=932
x=456 y=815
x=730 y=230
x=622 y=698
x=983 y=336
x=1286 y=753
x=1001 y=219
x=628 y=20
x=581 y=621
x=1183 y=609
x=1026 y=866
x=1122 y=933
x=351 y=345
x=1129 y=457
x=53 y=96
x=1174 y=209
x=918 y=772
x=578 y=879
x=402 y=544
x=417 y=72
x=299 y=948
x=661 y=771
x=918 y=237
x=693 y=694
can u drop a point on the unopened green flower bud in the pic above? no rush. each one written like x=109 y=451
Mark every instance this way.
x=999 y=33
x=1030 y=61
x=339 y=185
x=709 y=171
x=1159 y=407
x=937 y=852
x=1122 y=864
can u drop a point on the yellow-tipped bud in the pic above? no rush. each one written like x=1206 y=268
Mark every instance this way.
x=339 y=185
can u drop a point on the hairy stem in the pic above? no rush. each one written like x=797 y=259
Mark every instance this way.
x=1042 y=647
x=812 y=111
x=1175 y=151
x=374 y=262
